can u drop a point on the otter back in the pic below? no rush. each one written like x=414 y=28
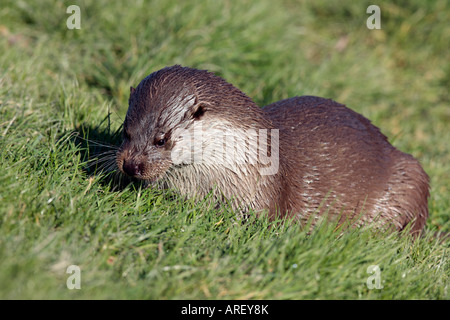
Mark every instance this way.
x=340 y=163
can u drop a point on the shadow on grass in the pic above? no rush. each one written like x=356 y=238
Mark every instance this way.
x=97 y=146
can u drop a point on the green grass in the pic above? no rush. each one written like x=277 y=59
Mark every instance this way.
x=141 y=243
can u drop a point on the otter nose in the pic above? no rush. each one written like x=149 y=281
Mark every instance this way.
x=132 y=168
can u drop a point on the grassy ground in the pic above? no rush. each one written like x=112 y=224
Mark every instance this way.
x=142 y=243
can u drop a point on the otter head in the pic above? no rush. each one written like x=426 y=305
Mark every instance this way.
x=162 y=106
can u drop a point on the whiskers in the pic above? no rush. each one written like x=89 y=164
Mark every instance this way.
x=104 y=162
x=101 y=161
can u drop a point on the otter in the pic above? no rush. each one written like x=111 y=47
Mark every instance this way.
x=302 y=157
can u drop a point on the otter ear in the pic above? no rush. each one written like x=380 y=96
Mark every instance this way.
x=199 y=111
x=195 y=109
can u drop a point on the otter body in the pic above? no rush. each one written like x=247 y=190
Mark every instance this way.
x=303 y=157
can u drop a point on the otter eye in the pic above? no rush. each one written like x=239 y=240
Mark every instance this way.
x=161 y=142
